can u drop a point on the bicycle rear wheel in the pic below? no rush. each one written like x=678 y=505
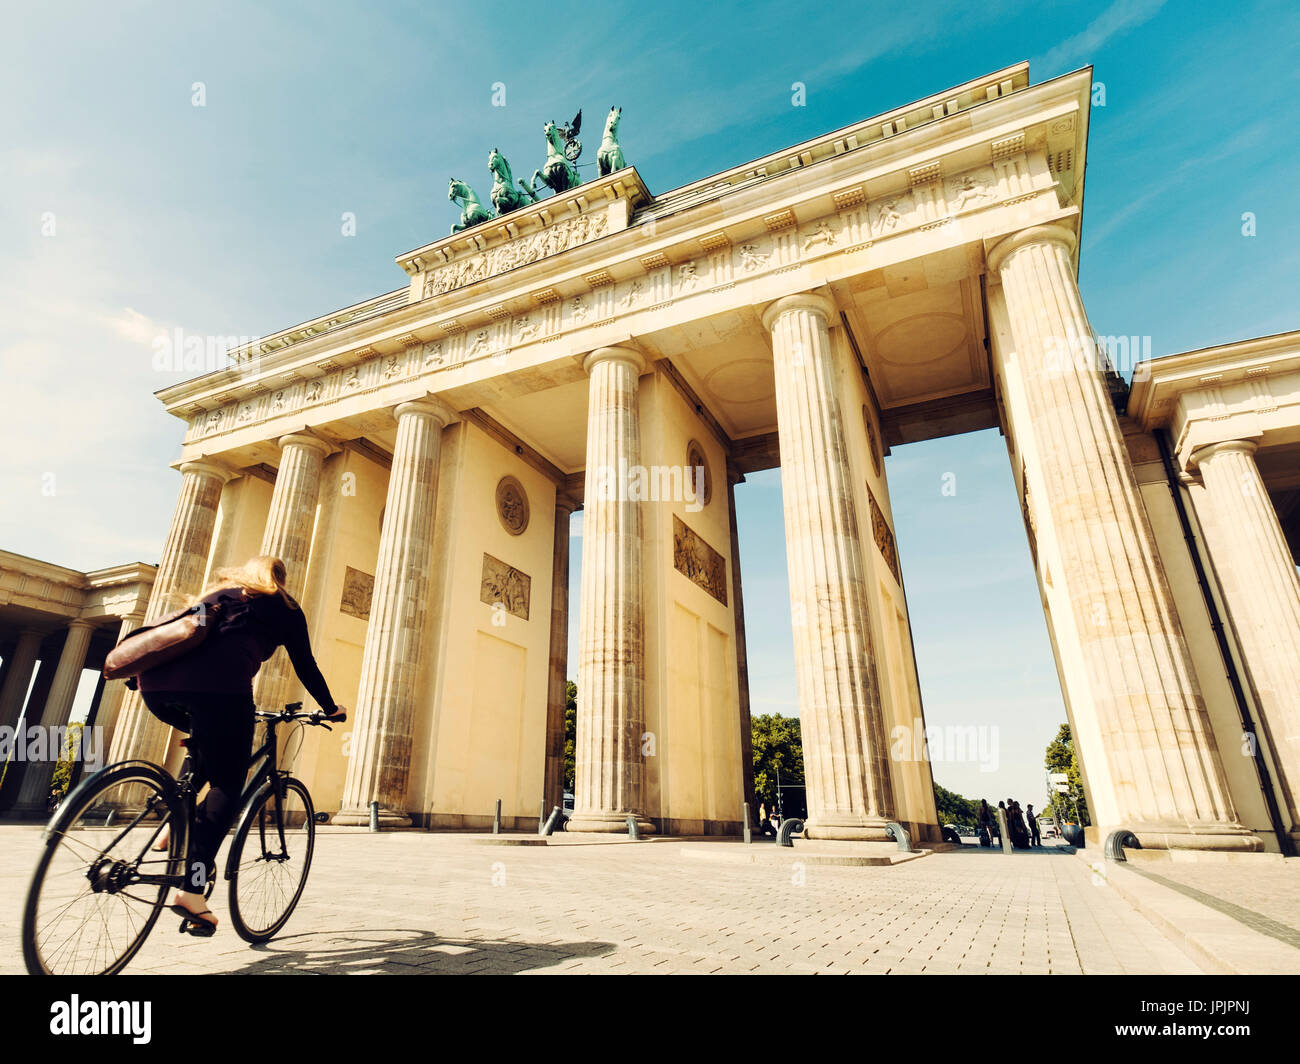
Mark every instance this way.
x=268 y=872
x=88 y=911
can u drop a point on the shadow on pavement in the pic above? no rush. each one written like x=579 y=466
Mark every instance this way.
x=405 y=952
x=1035 y=851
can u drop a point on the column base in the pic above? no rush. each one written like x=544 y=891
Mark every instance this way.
x=28 y=812
x=1231 y=838
x=360 y=818
x=609 y=823
x=846 y=828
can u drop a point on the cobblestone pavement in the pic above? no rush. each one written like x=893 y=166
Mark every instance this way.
x=1266 y=898
x=417 y=902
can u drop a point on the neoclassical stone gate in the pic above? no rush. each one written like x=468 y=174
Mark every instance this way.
x=416 y=460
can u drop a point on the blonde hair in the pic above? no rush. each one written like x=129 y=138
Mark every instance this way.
x=263 y=575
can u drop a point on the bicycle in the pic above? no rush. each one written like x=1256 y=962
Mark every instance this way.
x=105 y=833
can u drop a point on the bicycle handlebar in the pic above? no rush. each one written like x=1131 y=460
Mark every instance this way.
x=293 y=711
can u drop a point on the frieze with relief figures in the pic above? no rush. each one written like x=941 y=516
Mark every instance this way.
x=699 y=562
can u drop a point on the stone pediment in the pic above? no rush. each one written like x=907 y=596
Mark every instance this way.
x=547 y=228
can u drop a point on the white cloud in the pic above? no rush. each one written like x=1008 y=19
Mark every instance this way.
x=135 y=327
x=1120 y=17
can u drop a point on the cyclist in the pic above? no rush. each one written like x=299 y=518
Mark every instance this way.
x=208 y=693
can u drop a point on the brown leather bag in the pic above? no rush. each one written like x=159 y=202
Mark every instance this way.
x=165 y=640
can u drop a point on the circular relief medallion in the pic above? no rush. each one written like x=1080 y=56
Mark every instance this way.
x=695 y=462
x=873 y=444
x=512 y=505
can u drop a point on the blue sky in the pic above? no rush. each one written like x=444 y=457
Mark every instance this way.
x=225 y=219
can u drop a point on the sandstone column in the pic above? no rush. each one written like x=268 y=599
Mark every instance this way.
x=611 y=646
x=380 y=764
x=1263 y=593
x=1155 y=732
x=290 y=522
x=110 y=701
x=556 y=697
x=18 y=678
x=848 y=784
x=139 y=734
x=734 y=477
x=35 y=790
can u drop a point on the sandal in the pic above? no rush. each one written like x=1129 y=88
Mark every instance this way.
x=192 y=925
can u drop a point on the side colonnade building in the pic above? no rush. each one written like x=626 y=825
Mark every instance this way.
x=416 y=460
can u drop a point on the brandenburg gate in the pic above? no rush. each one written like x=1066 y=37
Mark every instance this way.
x=416 y=460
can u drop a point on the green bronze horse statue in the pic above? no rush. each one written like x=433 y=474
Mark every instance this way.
x=504 y=197
x=610 y=156
x=472 y=211
x=558 y=174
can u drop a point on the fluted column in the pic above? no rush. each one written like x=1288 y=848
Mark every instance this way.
x=380 y=764
x=1139 y=683
x=58 y=704
x=734 y=477
x=848 y=785
x=611 y=643
x=1262 y=589
x=290 y=522
x=110 y=700
x=557 y=690
x=138 y=733
x=18 y=677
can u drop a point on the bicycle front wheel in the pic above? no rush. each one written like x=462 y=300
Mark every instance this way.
x=269 y=860
x=99 y=885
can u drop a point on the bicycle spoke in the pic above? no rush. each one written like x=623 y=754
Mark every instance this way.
x=271 y=872
x=86 y=911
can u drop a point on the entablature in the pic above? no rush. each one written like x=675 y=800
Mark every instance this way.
x=962 y=179
x=1248 y=390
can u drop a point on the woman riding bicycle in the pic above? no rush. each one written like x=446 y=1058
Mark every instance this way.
x=208 y=693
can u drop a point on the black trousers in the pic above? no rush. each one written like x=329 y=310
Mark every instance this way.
x=220 y=727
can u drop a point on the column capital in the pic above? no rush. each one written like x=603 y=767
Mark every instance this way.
x=615 y=354
x=303 y=439
x=566 y=503
x=205 y=467
x=425 y=407
x=80 y=622
x=1248 y=447
x=809 y=301
x=1052 y=233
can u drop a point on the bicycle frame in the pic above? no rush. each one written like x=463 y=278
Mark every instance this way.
x=262 y=762
x=266 y=774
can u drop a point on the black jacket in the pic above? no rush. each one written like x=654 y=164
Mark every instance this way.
x=249 y=629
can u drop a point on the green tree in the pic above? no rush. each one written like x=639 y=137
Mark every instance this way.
x=62 y=777
x=778 y=753
x=954 y=809
x=570 y=733
x=1061 y=757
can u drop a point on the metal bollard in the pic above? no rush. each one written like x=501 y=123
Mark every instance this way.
x=551 y=821
x=374 y=816
x=749 y=837
x=496 y=819
x=1117 y=840
x=899 y=833
x=790 y=826
x=632 y=832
